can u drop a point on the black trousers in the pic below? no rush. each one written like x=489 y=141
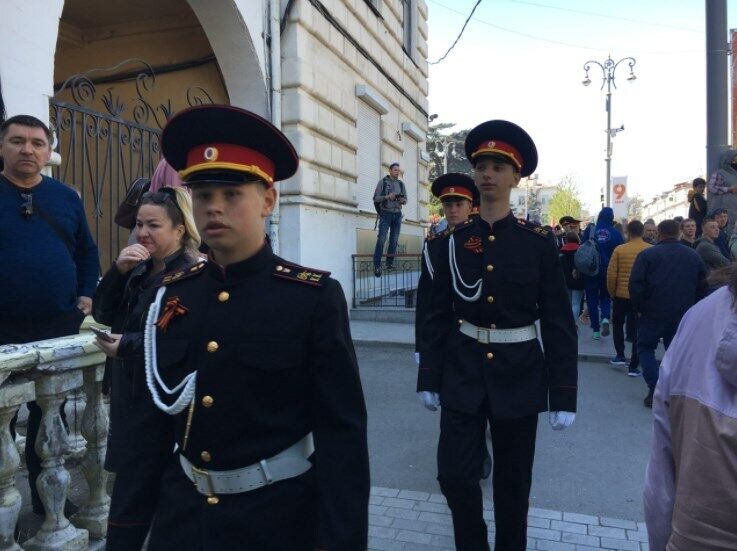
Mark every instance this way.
x=19 y=331
x=622 y=312
x=279 y=517
x=459 y=473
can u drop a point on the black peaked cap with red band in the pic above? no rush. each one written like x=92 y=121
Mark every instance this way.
x=228 y=144
x=454 y=184
x=505 y=139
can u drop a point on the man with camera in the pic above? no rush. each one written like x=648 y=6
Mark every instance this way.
x=389 y=196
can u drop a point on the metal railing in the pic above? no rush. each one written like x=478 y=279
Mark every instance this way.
x=395 y=288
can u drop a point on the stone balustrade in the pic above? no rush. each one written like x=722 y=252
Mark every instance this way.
x=50 y=372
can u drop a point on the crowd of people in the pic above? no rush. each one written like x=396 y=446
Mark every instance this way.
x=647 y=276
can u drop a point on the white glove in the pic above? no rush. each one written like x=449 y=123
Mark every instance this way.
x=561 y=419
x=417 y=358
x=431 y=400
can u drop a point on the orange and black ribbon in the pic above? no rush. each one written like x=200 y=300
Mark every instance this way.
x=173 y=307
x=474 y=244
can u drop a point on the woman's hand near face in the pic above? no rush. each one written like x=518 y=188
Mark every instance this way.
x=130 y=257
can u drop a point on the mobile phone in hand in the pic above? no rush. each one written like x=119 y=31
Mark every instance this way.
x=102 y=334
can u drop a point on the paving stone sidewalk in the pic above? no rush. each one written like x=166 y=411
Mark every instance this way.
x=404 y=520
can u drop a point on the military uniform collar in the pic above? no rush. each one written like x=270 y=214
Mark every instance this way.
x=507 y=221
x=263 y=259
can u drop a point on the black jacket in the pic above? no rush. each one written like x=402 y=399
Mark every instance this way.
x=271 y=345
x=521 y=281
x=122 y=301
x=666 y=280
x=567 y=254
x=428 y=262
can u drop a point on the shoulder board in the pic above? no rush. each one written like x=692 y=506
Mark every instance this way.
x=462 y=226
x=300 y=274
x=182 y=273
x=533 y=228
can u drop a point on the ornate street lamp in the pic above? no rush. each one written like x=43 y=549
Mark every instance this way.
x=608 y=70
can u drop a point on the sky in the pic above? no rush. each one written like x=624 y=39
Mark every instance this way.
x=522 y=60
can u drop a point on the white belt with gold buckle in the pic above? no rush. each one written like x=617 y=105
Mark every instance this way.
x=287 y=464
x=498 y=336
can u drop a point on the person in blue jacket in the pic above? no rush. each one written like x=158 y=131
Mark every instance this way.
x=597 y=296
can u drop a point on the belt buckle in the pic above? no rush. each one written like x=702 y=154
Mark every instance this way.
x=196 y=474
x=482 y=335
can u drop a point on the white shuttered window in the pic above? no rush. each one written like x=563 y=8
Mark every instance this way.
x=368 y=127
x=409 y=176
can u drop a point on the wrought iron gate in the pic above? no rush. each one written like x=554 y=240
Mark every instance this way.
x=103 y=152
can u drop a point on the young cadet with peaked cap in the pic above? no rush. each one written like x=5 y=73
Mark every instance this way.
x=457 y=193
x=253 y=356
x=482 y=358
x=459 y=199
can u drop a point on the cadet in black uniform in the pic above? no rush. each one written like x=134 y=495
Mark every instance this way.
x=482 y=357
x=253 y=356
x=457 y=193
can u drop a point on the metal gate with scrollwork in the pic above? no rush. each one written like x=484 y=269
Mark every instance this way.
x=103 y=152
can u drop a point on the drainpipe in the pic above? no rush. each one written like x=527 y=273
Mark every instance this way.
x=275 y=85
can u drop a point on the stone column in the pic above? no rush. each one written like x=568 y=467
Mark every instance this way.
x=56 y=532
x=73 y=410
x=12 y=395
x=93 y=514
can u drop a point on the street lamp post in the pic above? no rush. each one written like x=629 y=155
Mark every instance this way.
x=608 y=70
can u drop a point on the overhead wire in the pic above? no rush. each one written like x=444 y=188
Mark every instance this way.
x=559 y=42
x=460 y=34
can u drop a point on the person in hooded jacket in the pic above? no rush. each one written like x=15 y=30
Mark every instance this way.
x=597 y=295
x=723 y=185
x=691 y=483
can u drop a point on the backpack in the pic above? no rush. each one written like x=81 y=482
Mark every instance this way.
x=378 y=204
x=586 y=258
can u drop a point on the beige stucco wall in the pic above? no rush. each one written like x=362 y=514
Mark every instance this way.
x=320 y=72
x=319 y=105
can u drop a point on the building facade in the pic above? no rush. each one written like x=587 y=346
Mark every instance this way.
x=532 y=197
x=668 y=204
x=346 y=80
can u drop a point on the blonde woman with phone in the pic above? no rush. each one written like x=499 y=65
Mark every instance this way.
x=167 y=241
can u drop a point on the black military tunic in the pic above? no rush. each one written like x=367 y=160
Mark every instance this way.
x=428 y=260
x=271 y=344
x=521 y=280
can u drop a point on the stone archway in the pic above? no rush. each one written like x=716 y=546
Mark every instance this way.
x=120 y=71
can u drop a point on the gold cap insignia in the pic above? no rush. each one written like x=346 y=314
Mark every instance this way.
x=452 y=190
x=492 y=145
x=211 y=154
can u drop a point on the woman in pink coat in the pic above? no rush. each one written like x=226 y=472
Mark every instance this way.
x=691 y=483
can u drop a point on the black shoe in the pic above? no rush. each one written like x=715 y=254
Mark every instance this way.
x=648 y=401
x=377 y=272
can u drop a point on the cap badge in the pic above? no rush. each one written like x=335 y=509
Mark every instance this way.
x=211 y=154
x=491 y=145
x=452 y=190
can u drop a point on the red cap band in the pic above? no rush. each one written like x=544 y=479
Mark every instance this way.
x=456 y=191
x=225 y=156
x=500 y=148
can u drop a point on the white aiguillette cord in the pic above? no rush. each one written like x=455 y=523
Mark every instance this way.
x=455 y=274
x=430 y=269
x=187 y=386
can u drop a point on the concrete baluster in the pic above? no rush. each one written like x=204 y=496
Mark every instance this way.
x=56 y=533
x=73 y=411
x=12 y=395
x=93 y=515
